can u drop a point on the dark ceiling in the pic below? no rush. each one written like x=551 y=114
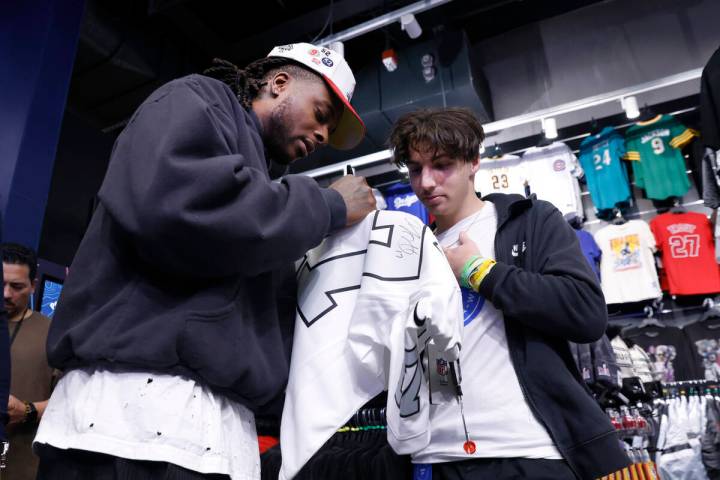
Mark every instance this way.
x=128 y=48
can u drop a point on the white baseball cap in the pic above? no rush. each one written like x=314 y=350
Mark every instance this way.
x=336 y=72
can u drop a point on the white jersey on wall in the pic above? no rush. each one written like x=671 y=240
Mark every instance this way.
x=357 y=294
x=552 y=172
x=627 y=267
x=501 y=175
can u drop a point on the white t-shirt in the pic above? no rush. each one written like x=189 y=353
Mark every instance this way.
x=141 y=416
x=499 y=420
x=552 y=173
x=501 y=175
x=627 y=268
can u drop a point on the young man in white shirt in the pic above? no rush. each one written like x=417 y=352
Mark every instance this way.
x=527 y=292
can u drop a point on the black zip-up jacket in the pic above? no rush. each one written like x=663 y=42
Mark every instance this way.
x=548 y=296
x=180 y=270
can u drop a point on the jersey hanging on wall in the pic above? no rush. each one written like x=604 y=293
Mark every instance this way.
x=704 y=338
x=669 y=350
x=400 y=197
x=501 y=175
x=552 y=172
x=654 y=150
x=688 y=252
x=628 y=267
x=605 y=173
x=358 y=293
x=590 y=250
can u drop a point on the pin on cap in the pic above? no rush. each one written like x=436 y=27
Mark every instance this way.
x=336 y=72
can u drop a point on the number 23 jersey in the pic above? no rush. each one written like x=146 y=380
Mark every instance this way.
x=501 y=175
x=688 y=252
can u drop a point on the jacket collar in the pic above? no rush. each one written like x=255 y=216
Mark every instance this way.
x=508 y=205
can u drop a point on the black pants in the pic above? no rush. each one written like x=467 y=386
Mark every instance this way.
x=58 y=464
x=503 y=469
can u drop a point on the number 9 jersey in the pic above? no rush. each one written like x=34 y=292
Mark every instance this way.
x=654 y=149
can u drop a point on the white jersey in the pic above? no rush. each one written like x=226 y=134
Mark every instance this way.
x=501 y=175
x=552 y=174
x=627 y=267
x=356 y=335
x=499 y=419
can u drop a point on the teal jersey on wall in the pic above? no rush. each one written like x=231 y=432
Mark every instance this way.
x=653 y=147
x=605 y=173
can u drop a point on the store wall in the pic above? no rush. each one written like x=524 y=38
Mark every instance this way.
x=594 y=50
x=38 y=39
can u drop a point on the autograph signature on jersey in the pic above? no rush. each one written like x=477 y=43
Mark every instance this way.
x=410 y=239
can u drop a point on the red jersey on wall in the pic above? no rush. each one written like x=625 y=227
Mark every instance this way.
x=688 y=252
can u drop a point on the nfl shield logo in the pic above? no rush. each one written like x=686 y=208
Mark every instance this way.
x=442 y=367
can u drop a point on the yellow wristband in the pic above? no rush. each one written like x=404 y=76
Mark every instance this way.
x=477 y=276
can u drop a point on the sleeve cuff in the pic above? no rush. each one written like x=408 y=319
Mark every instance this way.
x=338 y=210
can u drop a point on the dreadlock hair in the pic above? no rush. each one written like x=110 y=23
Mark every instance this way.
x=246 y=83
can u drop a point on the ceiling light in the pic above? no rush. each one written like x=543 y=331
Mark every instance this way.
x=410 y=25
x=630 y=106
x=549 y=126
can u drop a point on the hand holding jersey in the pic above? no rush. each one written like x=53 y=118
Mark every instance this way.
x=371 y=298
x=358 y=197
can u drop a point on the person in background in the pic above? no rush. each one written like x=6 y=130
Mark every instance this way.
x=172 y=327
x=4 y=370
x=527 y=292
x=32 y=377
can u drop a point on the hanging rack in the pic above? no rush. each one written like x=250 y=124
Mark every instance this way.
x=536 y=116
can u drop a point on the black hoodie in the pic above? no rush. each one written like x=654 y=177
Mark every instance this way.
x=181 y=268
x=549 y=296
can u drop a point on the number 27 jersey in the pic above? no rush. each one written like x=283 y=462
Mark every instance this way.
x=688 y=252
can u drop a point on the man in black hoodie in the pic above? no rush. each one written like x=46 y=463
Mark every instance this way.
x=527 y=292
x=170 y=324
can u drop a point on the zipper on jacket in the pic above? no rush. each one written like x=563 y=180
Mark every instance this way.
x=521 y=378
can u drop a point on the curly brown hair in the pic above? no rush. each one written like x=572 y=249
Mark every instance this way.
x=454 y=131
